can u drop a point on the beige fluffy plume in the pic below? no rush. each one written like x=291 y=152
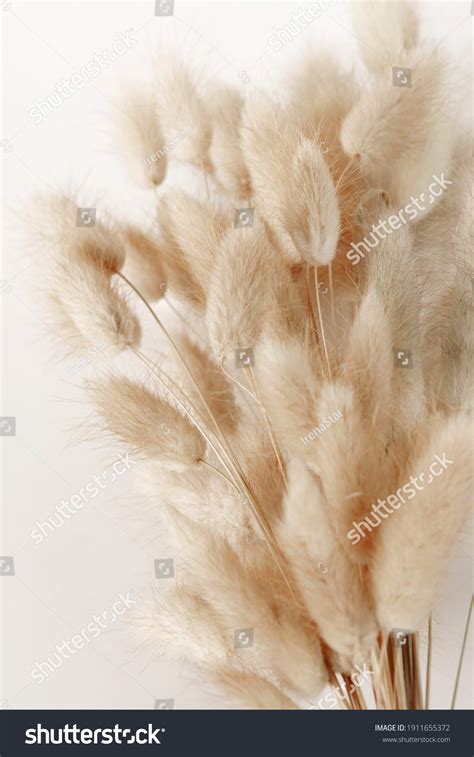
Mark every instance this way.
x=414 y=543
x=399 y=128
x=140 y=139
x=149 y=424
x=318 y=357
x=385 y=30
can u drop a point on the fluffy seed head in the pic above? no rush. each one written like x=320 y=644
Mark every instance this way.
x=316 y=222
x=140 y=139
x=384 y=30
x=144 y=265
x=88 y=308
x=191 y=233
x=414 y=542
x=148 y=423
x=401 y=134
x=246 y=289
x=225 y=153
x=181 y=108
x=72 y=233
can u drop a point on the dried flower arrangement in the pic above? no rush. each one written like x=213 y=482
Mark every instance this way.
x=335 y=371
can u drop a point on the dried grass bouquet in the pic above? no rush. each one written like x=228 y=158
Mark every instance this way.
x=307 y=434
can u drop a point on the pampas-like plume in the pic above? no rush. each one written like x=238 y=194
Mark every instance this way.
x=148 y=423
x=140 y=139
x=268 y=138
x=84 y=301
x=212 y=382
x=68 y=232
x=401 y=133
x=456 y=383
x=392 y=274
x=443 y=244
x=89 y=309
x=225 y=106
x=385 y=31
x=321 y=94
x=191 y=233
x=289 y=383
x=204 y=497
x=368 y=363
x=144 y=263
x=181 y=108
x=345 y=448
x=256 y=457
x=271 y=449
x=248 y=287
x=415 y=541
x=293 y=190
x=181 y=621
x=252 y=692
x=284 y=650
x=329 y=582
x=315 y=224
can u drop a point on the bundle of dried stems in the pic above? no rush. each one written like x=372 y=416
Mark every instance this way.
x=324 y=385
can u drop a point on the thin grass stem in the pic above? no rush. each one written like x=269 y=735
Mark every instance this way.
x=318 y=302
x=428 y=663
x=461 y=656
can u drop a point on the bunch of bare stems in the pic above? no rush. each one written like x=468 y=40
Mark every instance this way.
x=283 y=330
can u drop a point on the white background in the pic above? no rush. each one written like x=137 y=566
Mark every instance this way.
x=109 y=546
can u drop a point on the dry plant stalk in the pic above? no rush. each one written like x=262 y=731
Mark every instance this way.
x=283 y=455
